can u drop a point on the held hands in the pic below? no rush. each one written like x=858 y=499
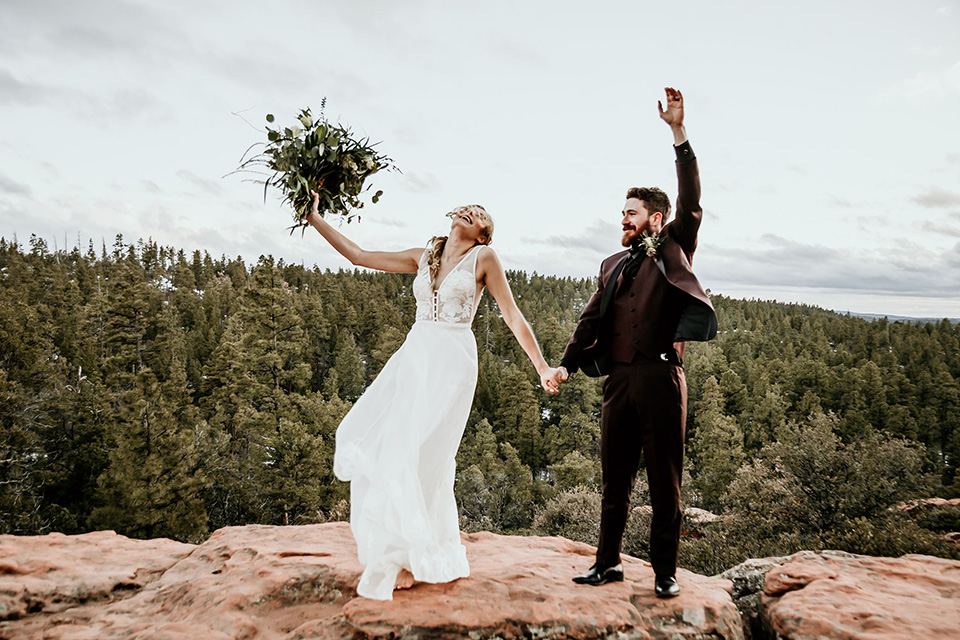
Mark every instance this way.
x=551 y=378
x=673 y=115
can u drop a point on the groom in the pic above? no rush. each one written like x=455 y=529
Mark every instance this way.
x=647 y=303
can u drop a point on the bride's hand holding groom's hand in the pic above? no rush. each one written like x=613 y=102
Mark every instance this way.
x=551 y=378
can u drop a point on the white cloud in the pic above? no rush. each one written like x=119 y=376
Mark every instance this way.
x=600 y=239
x=938 y=198
x=941 y=229
x=15 y=91
x=939 y=82
x=922 y=50
x=117 y=119
x=12 y=187
x=904 y=269
x=419 y=181
x=206 y=185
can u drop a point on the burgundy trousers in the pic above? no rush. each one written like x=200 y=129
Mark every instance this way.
x=644 y=413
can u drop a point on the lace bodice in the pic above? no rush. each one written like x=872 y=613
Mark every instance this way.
x=455 y=300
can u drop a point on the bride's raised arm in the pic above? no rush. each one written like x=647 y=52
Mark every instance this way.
x=396 y=261
x=493 y=277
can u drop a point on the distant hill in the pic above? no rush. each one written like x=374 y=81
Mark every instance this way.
x=877 y=316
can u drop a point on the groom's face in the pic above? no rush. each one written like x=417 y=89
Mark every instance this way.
x=636 y=220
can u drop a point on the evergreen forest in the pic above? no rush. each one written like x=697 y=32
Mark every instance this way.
x=160 y=393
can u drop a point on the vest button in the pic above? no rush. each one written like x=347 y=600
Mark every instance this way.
x=634 y=325
x=632 y=309
x=631 y=294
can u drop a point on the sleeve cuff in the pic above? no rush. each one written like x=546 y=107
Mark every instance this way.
x=569 y=366
x=684 y=152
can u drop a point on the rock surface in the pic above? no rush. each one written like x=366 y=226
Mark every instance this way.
x=298 y=583
x=831 y=594
x=56 y=572
x=927 y=504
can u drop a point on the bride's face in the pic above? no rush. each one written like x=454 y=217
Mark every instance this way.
x=472 y=222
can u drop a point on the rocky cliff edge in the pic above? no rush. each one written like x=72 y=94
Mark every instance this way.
x=298 y=583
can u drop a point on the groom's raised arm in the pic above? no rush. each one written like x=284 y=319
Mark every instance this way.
x=688 y=211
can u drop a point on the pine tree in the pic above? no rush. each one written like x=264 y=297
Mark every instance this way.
x=517 y=417
x=576 y=431
x=151 y=488
x=767 y=414
x=495 y=491
x=349 y=366
x=27 y=367
x=131 y=306
x=76 y=440
x=575 y=470
x=272 y=340
x=717 y=446
x=389 y=340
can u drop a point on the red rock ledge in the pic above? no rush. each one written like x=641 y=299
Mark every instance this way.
x=297 y=583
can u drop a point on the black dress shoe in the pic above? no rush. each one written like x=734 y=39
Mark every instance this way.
x=667 y=587
x=597 y=575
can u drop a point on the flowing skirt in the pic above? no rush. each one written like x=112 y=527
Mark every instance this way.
x=397 y=446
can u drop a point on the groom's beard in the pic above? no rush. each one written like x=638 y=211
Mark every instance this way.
x=633 y=234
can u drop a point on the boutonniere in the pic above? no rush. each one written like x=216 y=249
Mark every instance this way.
x=651 y=244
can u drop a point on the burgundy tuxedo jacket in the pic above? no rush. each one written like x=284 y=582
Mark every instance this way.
x=664 y=305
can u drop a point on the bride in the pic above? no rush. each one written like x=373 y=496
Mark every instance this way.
x=397 y=446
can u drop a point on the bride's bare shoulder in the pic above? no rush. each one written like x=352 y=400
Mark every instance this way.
x=486 y=256
x=487 y=251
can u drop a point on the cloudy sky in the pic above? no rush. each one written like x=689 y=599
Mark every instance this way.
x=827 y=132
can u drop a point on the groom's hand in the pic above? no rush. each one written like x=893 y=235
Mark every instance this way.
x=551 y=378
x=673 y=115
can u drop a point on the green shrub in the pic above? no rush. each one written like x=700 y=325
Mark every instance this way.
x=892 y=536
x=573 y=514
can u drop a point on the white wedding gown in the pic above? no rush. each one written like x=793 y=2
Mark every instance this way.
x=397 y=446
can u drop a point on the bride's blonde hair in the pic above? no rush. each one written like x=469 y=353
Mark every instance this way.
x=437 y=243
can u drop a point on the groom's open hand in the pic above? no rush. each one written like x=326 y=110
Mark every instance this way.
x=673 y=114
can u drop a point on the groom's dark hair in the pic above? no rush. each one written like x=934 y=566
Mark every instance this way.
x=654 y=199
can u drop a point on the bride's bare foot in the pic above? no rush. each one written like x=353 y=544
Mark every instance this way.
x=404 y=580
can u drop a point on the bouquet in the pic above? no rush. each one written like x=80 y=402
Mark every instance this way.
x=320 y=156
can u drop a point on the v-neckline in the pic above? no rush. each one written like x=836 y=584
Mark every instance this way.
x=442 y=282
